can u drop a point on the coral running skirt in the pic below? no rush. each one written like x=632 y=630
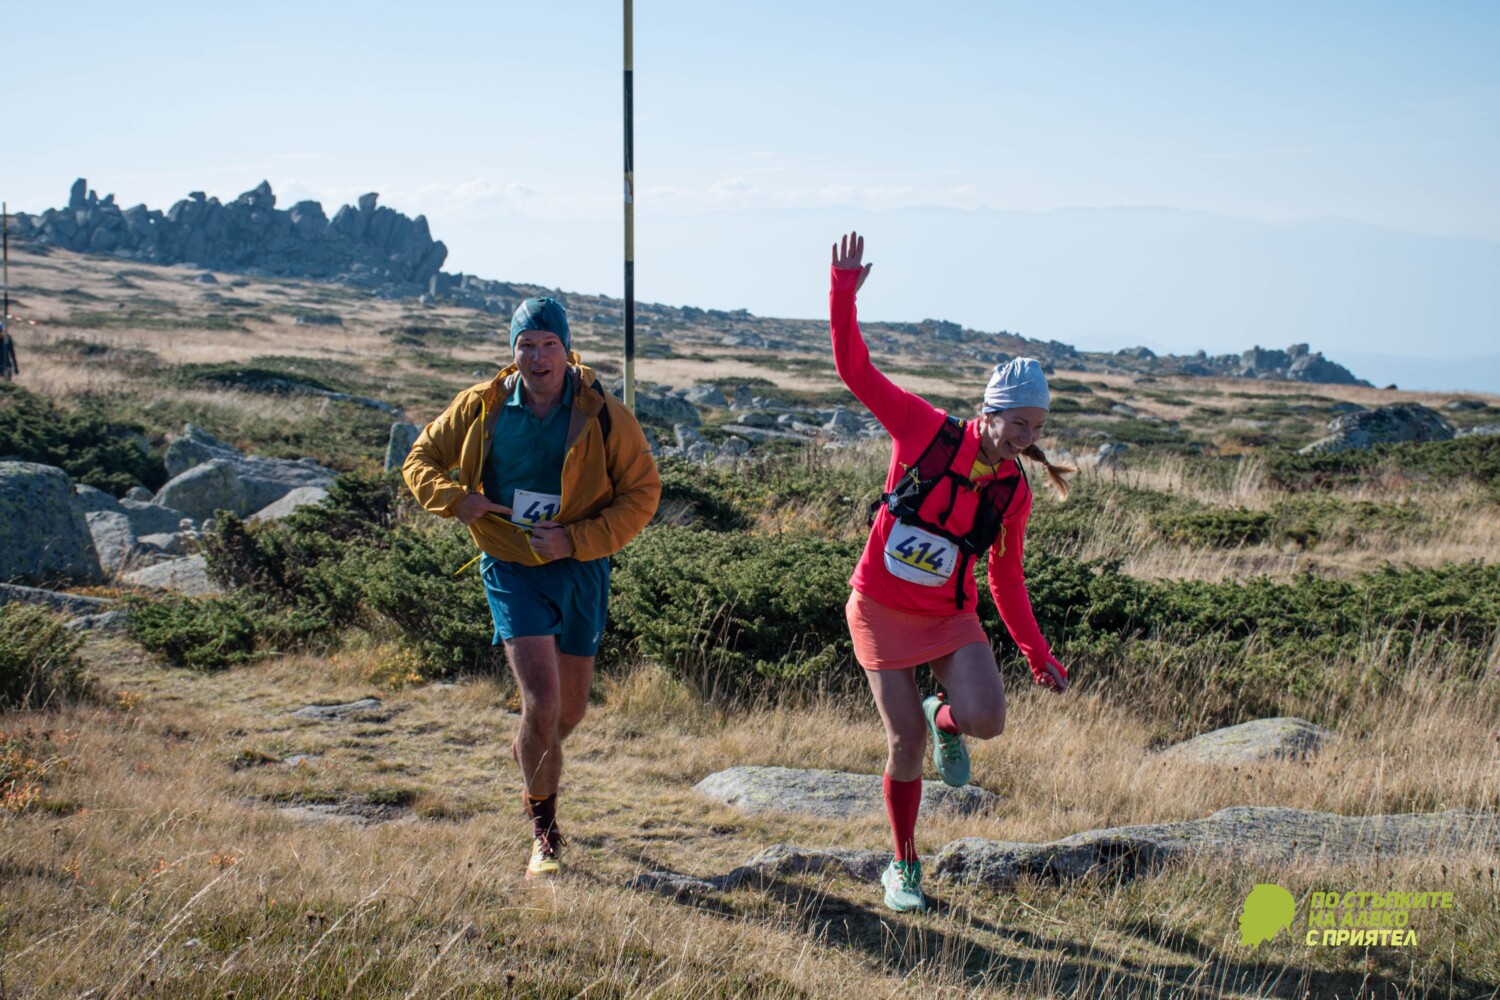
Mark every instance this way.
x=887 y=639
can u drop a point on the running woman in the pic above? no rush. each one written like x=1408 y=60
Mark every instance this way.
x=954 y=492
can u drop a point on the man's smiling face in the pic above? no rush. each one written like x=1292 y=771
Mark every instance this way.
x=543 y=361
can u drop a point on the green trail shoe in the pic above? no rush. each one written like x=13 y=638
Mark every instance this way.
x=949 y=755
x=903 y=886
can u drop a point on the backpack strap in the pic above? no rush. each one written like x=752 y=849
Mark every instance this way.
x=605 y=420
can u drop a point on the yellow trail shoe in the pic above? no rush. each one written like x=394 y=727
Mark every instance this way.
x=546 y=856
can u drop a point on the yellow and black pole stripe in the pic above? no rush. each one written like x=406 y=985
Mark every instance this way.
x=5 y=256
x=629 y=217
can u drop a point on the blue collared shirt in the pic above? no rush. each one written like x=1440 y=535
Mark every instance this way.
x=527 y=451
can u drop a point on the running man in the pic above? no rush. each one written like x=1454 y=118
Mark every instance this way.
x=954 y=492
x=553 y=476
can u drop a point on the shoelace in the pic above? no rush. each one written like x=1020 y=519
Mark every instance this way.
x=950 y=745
x=911 y=875
x=551 y=845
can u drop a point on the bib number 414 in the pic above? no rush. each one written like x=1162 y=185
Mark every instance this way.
x=921 y=555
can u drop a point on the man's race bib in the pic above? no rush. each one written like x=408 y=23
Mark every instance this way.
x=919 y=556
x=528 y=508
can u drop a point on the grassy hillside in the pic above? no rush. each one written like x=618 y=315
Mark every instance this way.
x=171 y=829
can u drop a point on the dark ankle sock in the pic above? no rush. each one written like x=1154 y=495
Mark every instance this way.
x=903 y=799
x=944 y=719
x=543 y=815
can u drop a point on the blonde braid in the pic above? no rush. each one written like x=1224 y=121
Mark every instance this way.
x=1055 y=473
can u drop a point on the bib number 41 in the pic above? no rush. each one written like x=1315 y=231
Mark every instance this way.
x=529 y=507
x=539 y=510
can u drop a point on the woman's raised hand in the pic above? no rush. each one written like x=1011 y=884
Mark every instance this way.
x=847 y=255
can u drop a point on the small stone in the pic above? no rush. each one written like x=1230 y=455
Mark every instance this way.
x=184 y=576
x=339 y=711
x=1253 y=742
x=829 y=794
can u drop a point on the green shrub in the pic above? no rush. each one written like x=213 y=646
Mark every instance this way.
x=1468 y=458
x=252 y=378
x=92 y=446
x=1221 y=653
x=699 y=492
x=755 y=605
x=39 y=662
x=1221 y=527
x=1063 y=525
x=137 y=319
x=834 y=500
x=1308 y=519
x=208 y=633
x=1305 y=521
x=738 y=611
x=310 y=559
x=413 y=584
x=342 y=436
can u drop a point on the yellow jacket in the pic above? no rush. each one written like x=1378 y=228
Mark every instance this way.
x=610 y=487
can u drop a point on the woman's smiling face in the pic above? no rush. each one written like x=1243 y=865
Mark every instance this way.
x=1009 y=432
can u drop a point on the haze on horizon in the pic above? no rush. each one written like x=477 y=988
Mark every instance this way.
x=1328 y=173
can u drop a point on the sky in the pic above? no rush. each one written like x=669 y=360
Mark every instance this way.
x=759 y=126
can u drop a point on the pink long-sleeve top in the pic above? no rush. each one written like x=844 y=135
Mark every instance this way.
x=912 y=423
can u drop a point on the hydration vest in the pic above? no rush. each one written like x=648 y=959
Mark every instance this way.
x=906 y=498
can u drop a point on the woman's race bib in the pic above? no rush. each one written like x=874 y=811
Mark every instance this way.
x=528 y=508
x=919 y=556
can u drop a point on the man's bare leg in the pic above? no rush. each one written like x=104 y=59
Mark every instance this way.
x=554 y=697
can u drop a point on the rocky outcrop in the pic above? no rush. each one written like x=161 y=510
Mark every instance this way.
x=43 y=534
x=209 y=475
x=1268 y=834
x=147 y=518
x=365 y=245
x=706 y=395
x=114 y=539
x=1258 y=834
x=302 y=496
x=667 y=408
x=1384 y=425
x=829 y=794
x=187 y=576
x=778 y=860
x=399 y=444
x=68 y=604
x=203 y=489
x=1252 y=743
x=342 y=710
x=1298 y=363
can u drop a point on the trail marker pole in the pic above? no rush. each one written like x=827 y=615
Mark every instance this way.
x=5 y=256
x=629 y=217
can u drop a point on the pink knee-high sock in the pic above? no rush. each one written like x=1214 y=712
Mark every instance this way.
x=902 y=801
x=944 y=719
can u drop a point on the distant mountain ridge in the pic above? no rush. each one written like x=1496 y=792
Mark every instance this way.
x=389 y=254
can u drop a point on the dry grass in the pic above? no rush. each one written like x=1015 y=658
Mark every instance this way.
x=1453 y=522
x=158 y=860
x=190 y=837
